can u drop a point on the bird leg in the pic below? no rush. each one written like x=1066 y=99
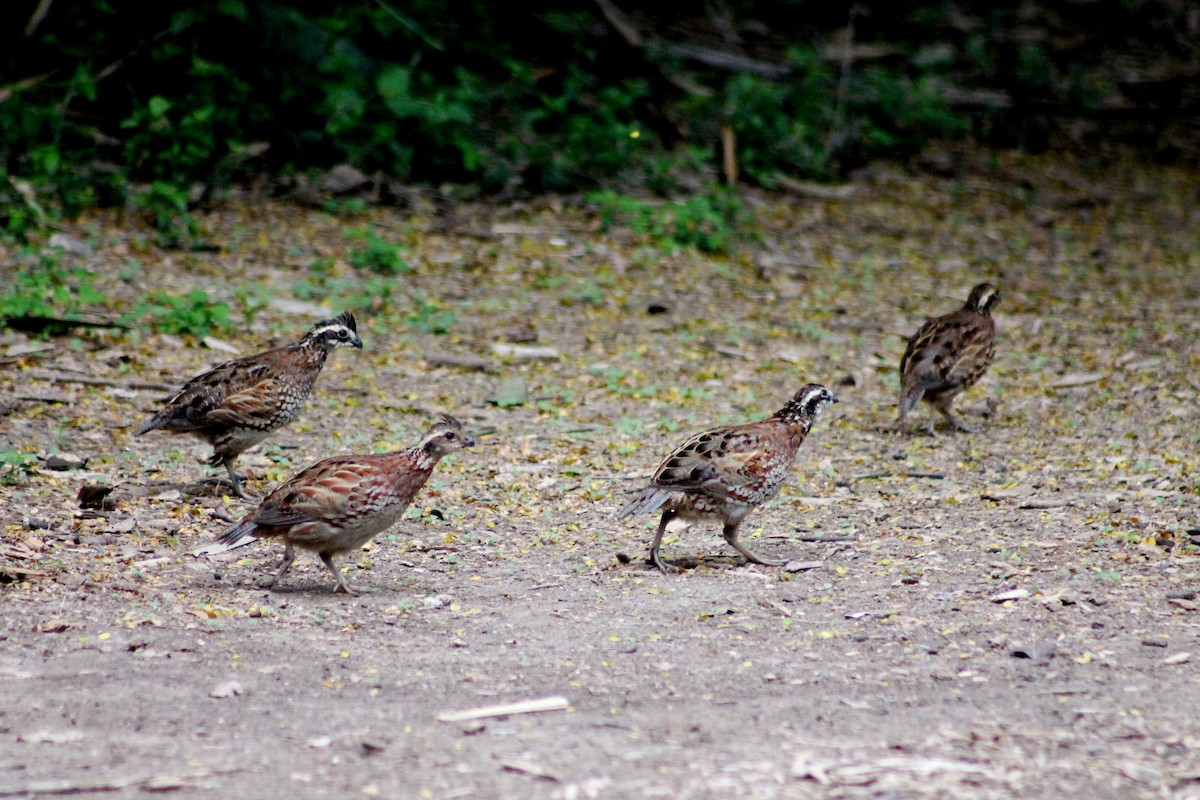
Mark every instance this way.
x=958 y=424
x=342 y=586
x=730 y=533
x=233 y=478
x=289 y=556
x=655 y=557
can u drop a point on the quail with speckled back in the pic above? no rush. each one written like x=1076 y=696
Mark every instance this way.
x=725 y=473
x=949 y=354
x=236 y=405
x=337 y=505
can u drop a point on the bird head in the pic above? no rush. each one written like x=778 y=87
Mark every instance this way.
x=341 y=331
x=983 y=298
x=446 y=437
x=807 y=403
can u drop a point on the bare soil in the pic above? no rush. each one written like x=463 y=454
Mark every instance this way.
x=1009 y=613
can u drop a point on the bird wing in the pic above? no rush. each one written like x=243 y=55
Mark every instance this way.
x=323 y=492
x=719 y=462
x=252 y=407
x=937 y=354
x=189 y=409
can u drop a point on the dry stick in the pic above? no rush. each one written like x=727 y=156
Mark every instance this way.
x=46 y=375
x=933 y=476
x=729 y=150
x=843 y=88
x=39 y=14
x=523 y=707
x=150 y=782
x=634 y=39
x=813 y=538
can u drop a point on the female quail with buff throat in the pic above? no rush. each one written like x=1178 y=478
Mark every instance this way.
x=949 y=354
x=337 y=505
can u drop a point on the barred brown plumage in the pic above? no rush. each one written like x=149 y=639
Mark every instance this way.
x=236 y=405
x=948 y=354
x=724 y=473
x=339 y=504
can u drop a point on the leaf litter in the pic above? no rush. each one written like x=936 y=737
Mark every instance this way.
x=962 y=615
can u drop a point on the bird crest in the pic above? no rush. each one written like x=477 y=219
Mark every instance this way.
x=341 y=331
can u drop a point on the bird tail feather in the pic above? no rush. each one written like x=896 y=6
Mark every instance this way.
x=236 y=535
x=909 y=400
x=649 y=499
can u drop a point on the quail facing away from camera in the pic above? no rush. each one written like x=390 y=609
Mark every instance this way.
x=337 y=505
x=948 y=354
x=724 y=473
x=236 y=405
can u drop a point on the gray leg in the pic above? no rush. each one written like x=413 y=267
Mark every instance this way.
x=289 y=556
x=655 y=558
x=953 y=420
x=731 y=532
x=233 y=478
x=342 y=586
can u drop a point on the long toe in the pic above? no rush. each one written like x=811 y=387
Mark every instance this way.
x=763 y=561
x=657 y=561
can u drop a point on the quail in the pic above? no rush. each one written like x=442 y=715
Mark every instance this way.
x=948 y=354
x=337 y=505
x=236 y=405
x=724 y=473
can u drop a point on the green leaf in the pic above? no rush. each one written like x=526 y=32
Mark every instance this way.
x=510 y=392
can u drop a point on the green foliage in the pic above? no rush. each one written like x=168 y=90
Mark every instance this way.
x=48 y=289
x=164 y=107
x=707 y=222
x=377 y=254
x=195 y=313
x=14 y=464
x=429 y=317
x=167 y=207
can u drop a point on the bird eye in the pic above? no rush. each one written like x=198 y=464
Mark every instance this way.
x=449 y=436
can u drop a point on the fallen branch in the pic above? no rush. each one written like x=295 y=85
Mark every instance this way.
x=820 y=538
x=478 y=363
x=154 y=783
x=87 y=380
x=932 y=476
x=504 y=710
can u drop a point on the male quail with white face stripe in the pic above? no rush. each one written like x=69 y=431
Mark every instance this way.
x=236 y=405
x=725 y=473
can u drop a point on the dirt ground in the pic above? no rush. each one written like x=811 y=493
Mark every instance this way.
x=1010 y=613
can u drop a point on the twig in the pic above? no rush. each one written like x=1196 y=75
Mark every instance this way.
x=634 y=39
x=59 y=377
x=729 y=151
x=820 y=538
x=150 y=782
x=816 y=190
x=727 y=61
x=843 y=88
x=618 y=21
x=522 y=707
x=933 y=476
x=8 y=91
x=39 y=14
x=457 y=361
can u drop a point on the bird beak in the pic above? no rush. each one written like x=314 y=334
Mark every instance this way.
x=357 y=343
x=468 y=442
